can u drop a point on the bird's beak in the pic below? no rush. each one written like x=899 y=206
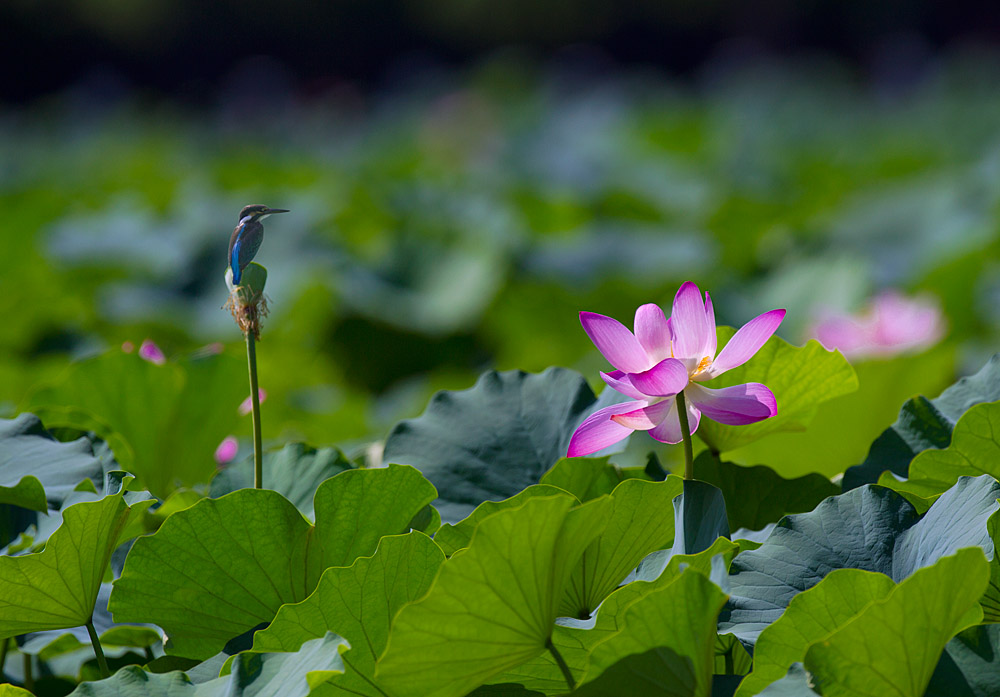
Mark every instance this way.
x=269 y=211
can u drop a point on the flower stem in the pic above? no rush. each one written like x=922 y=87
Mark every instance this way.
x=258 y=456
x=682 y=414
x=4 y=645
x=561 y=663
x=29 y=679
x=102 y=662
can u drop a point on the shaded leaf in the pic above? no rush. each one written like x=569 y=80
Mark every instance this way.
x=491 y=441
x=28 y=452
x=924 y=424
x=756 y=496
x=870 y=528
x=699 y=517
x=970 y=665
x=295 y=472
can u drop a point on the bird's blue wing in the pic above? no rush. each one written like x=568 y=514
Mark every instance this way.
x=234 y=262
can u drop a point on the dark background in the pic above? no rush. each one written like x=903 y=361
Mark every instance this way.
x=186 y=49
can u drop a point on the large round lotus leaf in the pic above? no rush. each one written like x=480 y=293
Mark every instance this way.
x=893 y=645
x=491 y=441
x=493 y=604
x=57 y=588
x=223 y=566
x=665 y=646
x=358 y=603
x=870 y=528
x=162 y=421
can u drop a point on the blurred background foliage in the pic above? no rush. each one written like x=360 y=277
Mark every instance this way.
x=455 y=207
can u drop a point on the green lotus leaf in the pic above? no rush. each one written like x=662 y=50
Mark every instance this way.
x=223 y=566
x=163 y=422
x=924 y=424
x=812 y=615
x=870 y=528
x=452 y=538
x=576 y=640
x=295 y=472
x=893 y=645
x=844 y=428
x=34 y=466
x=493 y=604
x=358 y=603
x=641 y=521
x=665 y=646
x=491 y=441
x=756 y=496
x=251 y=674
x=57 y=588
x=974 y=450
x=589 y=477
x=801 y=377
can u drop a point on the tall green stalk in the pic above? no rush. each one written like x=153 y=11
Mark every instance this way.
x=4 y=644
x=258 y=456
x=29 y=679
x=682 y=414
x=102 y=662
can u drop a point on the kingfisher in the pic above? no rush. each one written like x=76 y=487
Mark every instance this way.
x=247 y=236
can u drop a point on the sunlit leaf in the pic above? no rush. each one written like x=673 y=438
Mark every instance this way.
x=223 y=566
x=57 y=588
x=801 y=377
x=894 y=644
x=162 y=421
x=493 y=605
x=358 y=603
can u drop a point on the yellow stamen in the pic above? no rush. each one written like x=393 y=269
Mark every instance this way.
x=702 y=365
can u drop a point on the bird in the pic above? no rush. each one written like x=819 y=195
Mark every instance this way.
x=247 y=236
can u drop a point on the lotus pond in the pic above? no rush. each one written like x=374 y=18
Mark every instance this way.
x=487 y=284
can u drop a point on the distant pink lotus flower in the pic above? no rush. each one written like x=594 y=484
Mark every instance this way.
x=152 y=353
x=247 y=405
x=227 y=450
x=665 y=357
x=890 y=325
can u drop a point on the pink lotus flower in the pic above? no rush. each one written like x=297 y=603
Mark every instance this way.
x=665 y=357
x=891 y=324
x=152 y=353
x=246 y=406
x=227 y=450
